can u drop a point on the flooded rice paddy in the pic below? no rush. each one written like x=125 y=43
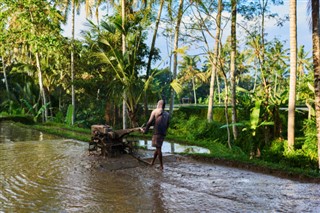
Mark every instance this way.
x=43 y=173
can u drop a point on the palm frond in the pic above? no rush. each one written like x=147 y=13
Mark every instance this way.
x=176 y=86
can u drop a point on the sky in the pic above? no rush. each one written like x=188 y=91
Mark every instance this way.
x=304 y=34
x=303 y=27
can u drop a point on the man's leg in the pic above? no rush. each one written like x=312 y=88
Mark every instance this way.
x=155 y=154
x=160 y=157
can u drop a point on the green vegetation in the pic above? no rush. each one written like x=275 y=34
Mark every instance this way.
x=188 y=128
x=239 y=87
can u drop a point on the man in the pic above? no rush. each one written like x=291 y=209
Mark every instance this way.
x=160 y=120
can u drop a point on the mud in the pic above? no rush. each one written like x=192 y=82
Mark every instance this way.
x=56 y=175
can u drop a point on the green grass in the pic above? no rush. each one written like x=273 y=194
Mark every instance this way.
x=63 y=131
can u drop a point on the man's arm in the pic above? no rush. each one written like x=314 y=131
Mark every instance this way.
x=150 y=121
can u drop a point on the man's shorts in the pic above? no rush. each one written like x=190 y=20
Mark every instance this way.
x=157 y=140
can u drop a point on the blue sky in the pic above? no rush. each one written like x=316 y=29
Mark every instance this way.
x=304 y=32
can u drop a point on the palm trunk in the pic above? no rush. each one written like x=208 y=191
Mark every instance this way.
x=124 y=107
x=97 y=15
x=233 y=67
x=175 y=56
x=293 y=73
x=226 y=109
x=214 y=64
x=151 y=53
x=72 y=63
x=194 y=91
x=316 y=65
x=42 y=92
x=154 y=37
x=255 y=76
x=218 y=88
x=5 y=76
x=263 y=70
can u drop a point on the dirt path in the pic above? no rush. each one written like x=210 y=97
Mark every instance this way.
x=187 y=185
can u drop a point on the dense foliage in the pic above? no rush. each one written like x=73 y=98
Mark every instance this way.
x=36 y=80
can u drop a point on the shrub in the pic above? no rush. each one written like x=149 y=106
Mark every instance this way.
x=274 y=153
x=194 y=127
x=310 y=147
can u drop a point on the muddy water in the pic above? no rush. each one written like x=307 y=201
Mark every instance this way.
x=41 y=173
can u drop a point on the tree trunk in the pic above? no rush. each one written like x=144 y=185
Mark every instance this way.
x=233 y=66
x=154 y=37
x=218 y=88
x=277 y=130
x=151 y=53
x=133 y=118
x=42 y=93
x=264 y=5
x=124 y=108
x=5 y=75
x=214 y=61
x=194 y=91
x=226 y=109
x=293 y=73
x=175 y=56
x=316 y=65
x=72 y=62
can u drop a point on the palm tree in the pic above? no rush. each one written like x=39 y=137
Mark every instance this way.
x=152 y=49
x=124 y=66
x=123 y=16
x=293 y=73
x=233 y=65
x=154 y=37
x=316 y=64
x=189 y=71
x=303 y=61
x=214 y=59
x=175 y=48
x=73 y=5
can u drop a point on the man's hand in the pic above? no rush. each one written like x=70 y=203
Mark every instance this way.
x=143 y=130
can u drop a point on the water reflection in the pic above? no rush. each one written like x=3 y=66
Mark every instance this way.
x=9 y=132
x=172 y=148
x=47 y=174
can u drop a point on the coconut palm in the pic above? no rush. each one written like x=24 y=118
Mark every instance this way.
x=233 y=65
x=214 y=60
x=189 y=71
x=293 y=73
x=316 y=64
x=175 y=48
x=152 y=50
x=124 y=66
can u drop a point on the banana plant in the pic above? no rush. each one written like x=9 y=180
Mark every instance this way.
x=254 y=123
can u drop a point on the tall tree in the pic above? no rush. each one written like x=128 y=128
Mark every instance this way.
x=293 y=73
x=154 y=37
x=233 y=65
x=316 y=64
x=215 y=58
x=75 y=7
x=125 y=67
x=189 y=71
x=175 y=48
x=35 y=27
x=123 y=16
x=152 y=50
x=74 y=4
